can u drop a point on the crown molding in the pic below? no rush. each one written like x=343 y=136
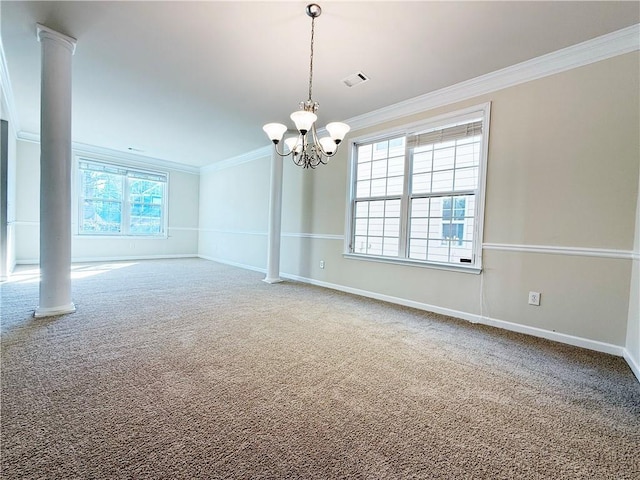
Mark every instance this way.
x=600 y=48
x=257 y=154
x=110 y=154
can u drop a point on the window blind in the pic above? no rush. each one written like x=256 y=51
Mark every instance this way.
x=446 y=134
x=131 y=173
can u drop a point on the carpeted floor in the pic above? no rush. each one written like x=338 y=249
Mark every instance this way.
x=185 y=369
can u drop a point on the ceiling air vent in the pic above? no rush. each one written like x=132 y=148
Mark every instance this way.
x=355 y=79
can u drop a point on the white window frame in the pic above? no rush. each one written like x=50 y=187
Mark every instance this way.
x=123 y=165
x=478 y=111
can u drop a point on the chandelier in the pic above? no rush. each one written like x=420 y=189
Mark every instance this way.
x=306 y=149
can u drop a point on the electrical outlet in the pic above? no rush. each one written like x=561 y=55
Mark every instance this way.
x=534 y=298
x=321 y=263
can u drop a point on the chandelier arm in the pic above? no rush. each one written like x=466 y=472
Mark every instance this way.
x=275 y=147
x=330 y=155
x=318 y=145
x=314 y=135
x=298 y=160
x=318 y=150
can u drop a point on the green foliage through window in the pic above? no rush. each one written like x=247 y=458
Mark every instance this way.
x=116 y=200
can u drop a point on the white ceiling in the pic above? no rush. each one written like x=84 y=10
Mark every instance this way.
x=193 y=82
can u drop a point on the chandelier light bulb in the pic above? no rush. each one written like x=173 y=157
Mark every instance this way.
x=328 y=145
x=292 y=144
x=337 y=131
x=275 y=131
x=303 y=120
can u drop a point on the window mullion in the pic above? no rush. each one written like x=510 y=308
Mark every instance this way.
x=126 y=207
x=164 y=209
x=403 y=244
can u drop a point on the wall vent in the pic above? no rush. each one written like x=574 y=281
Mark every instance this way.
x=355 y=79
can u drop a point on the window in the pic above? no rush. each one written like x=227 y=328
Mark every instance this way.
x=417 y=197
x=116 y=200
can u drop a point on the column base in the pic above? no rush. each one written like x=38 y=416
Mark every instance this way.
x=52 y=311
x=272 y=280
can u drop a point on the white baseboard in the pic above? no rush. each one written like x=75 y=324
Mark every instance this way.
x=555 y=336
x=473 y=318
x=234 y=264
x=386 y=298
x=26 y=261
x=633 y=365
x=133 y=257
x=53 y=311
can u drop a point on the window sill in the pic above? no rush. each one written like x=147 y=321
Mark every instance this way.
x=414 y=263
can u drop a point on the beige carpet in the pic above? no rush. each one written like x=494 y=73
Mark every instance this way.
x=183 y=369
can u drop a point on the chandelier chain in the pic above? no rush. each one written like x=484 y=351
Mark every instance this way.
x=313 y=22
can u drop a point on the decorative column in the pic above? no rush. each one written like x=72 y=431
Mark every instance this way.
x=4 y=199
x=55 y=173
x=275 y=220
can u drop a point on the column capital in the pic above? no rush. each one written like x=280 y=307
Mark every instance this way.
x=45 y=33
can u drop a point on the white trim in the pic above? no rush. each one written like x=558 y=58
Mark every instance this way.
x=28 y=261
x=556 y=250
x=44 y=32
x=633 y=365
x=316 y=236
x=25 y=223
x=385 y=298
x=51 y=311
x=506 y=247
x=272 y=280
x=110 y=155
x=415 y=127
x=113 y=236
x=408 y=262
x=187 y=229
x=262 y=152
x=128 y=237
x=232 y=232
x=233 y=264
x=473 y=318
x=133 y=257
x=555 y=336
x=595 y=50
x=132 y=159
